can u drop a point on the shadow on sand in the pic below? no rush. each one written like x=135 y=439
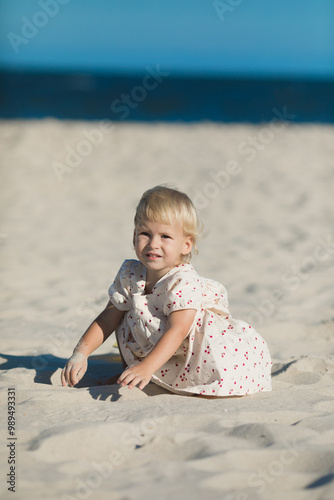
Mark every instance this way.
x=101 y=368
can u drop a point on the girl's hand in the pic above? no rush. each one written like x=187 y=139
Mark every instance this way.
x=136 y=374
x=74 y=369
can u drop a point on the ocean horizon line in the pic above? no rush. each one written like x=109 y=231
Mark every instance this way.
x=157 y=95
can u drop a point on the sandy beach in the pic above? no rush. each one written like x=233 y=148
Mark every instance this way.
x=265 y=196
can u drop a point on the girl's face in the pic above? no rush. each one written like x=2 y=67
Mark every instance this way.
x=160 y=247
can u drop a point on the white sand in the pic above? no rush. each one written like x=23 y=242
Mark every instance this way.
x=270 y=241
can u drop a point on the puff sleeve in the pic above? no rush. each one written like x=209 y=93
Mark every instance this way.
x=185 y=292
x=120 y=291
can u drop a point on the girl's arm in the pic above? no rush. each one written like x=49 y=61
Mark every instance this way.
x=97 y=333
x=179 y=323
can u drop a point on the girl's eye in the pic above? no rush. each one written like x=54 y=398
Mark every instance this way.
x=165 y=236
x=144 y=234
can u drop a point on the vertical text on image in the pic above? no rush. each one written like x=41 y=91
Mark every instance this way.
x=11 y=444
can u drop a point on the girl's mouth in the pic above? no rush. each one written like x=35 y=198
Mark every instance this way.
x=152 y=256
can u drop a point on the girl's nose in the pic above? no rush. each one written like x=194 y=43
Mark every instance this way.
x=155 y=241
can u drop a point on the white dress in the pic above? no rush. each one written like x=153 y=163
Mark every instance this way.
x=220 y=356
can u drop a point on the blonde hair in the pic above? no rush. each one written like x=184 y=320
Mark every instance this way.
x=167 y=205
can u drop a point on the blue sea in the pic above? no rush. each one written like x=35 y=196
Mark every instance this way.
x=188 y=99
x=228 y=60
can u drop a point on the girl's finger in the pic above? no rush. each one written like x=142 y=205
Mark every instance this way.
x=121 y=379
x=76 y=374
x=63 y=382
x=80 y=374
x=123 y=376
x=143 y=384
x=127 y=376
x=73 y=375
x=128 y=379
x=65 y=375
x=135 y=381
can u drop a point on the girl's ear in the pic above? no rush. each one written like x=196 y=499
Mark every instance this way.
x=188 y=245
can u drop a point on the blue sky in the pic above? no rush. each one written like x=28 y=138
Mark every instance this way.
x=227 y=37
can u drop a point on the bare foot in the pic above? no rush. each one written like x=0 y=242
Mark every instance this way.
x=110 y=380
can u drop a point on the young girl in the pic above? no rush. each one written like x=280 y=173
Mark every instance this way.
x=173 y=327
